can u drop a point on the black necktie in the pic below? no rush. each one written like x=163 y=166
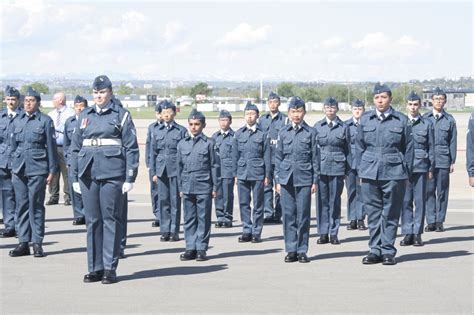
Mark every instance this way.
x=413 y=121
x=356 y=124
x=382 y=116
x=10 y=116
x=437 y=116
x=296 y=127
x=330 y=125
x=250 y=130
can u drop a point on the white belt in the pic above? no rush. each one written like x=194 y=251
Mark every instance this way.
x=100 y=142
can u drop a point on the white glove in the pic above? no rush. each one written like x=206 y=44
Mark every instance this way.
x=76 y=187
x=127 y=187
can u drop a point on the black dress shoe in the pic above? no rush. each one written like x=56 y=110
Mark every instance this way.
x=201 y=255
x=165 y=237
x=302 y=258
x=21 y=250
x=245 y=238
x=218 y=224
x=352 y=225
x=388 y=260
x=67 y=202
x=38 y=250
x=7 y=233
x=227 y=225
x=407 y=240
x=155 y=223
x=361 y=225
x=335 y=240
x=1 y=221
x=371 y=259
x=79 y=221
x=430 y=227
x=174 y=237
x=109 y=277
x=439 y=227
x=417 y=240
x=188 y=255
x=291 y=257
x=94 y=276
x=52 y=202
x=323 y=239
x=256 y=239
x=268 y=220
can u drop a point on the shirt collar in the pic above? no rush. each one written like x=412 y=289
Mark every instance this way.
x=436 y=113
x=11 y=112
x=334 y=122
x=387 y=113
x=355 y=120
x=253 y=128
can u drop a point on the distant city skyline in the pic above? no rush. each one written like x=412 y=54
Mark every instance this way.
x=237 y=41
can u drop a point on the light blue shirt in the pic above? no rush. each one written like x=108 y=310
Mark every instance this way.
x=64 y=113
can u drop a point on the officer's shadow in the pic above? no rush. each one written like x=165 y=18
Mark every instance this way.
x=459 y=227
x=11 y=246
x=245 y=253
x=172 y=271
x=432 y=255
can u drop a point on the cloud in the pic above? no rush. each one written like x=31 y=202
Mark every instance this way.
x=172 y=29
x=244 y=35
x=378 y=46
x=181 y=48
x=332 y=43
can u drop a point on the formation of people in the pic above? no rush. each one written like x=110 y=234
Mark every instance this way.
x=394 y=166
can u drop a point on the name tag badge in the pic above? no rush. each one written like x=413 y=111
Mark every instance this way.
x=84 y=123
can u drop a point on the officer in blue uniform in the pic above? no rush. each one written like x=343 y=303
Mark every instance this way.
x=198 y=178
x=80 y=104
x=445 y=137
x=35 y=162
x=251 y=162
x=224 y=202
x=384 y=156
x=333 y=138
x=470 y=150
x=297 y=169
x=423 y=167
x=272 y=123
x=165 y=139
x=153 y=186
x=7 y=119
x=355 y=207
x=104 y=158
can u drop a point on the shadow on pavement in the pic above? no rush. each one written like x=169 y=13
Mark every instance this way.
x=432 y=255
x=450 y=239
x=459 y=227
x=157 y=252
x=245 y=253
x=67 y=251
x=355 y=239
x=59 y=220
x=157 y=234
x=8 y=246
x=173 y=271
x=226 y=234
x=72 y=231
x=339 y=255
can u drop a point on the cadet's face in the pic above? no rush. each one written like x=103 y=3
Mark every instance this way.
x=224 y=123
x=158 y=116
x=357 y=112
x=413 y=108
x=382 y=101
x=273 y=105
x=296 y=114
x=12 y=102
x=438 y=102
x=330 y=111
x=168 y=115
x=30 y=104
x=102 y=97
x=250 y=117
x=79 y=107
x=195 y=126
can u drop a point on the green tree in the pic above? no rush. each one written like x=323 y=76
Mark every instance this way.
x=123 y=90
x=311 y=94
x=182 y=90
x=38 y=86
x=201 y=88
x=286 y=89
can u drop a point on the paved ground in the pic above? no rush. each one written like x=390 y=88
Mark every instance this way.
x=246 y=278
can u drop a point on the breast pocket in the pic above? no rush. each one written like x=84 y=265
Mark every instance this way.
x=258 y=144
x=369 y=134
x=305 y=144
x=322 y=139
x=395 y=134
x=421 y=136
x=443 y=134
x=159 y=141
x=287 y=145
x=17 y=133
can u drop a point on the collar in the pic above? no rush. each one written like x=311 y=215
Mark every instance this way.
x=196 y=138
x=253 y=128
x=334 y=122
x=355 y=121
x=441 y=113
x=387 y=113
x=11 y=112
x=62 y=109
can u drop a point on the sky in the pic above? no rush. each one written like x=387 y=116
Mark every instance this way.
x=237 y=41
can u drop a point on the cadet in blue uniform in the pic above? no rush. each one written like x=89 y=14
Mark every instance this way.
x=104 y=158
x=423 y=167
x=251 y=162
x=384 y=156
x=7 y=119
x=355 y=207
x=165 y=139
x=224 y=202
x=80 y=104
x=470 y=150
x=297 y=169
x=445 y=137
x=198 y=178
x=35 y=162
x=272 y=123
x=333 y=138
x=153 y=186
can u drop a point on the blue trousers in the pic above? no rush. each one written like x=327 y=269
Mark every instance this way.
x=154 y=197
x=170 y=204
x=10 y=216
x=224 y=202
x=355 y=209
x=248 y=189
x=438 y=194
x=383 y=201
x=329 y=204
x=124 y=220
x=271 y=209
x=197 y=220
x=415 y=194
x=29 y=196
x=296 y=205
x=77 y=205
x=103 y=204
